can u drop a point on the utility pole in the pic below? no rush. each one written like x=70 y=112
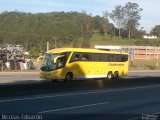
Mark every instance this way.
x=55 y=41
x=47 y=46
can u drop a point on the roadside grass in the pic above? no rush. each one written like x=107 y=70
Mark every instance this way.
x=100 y=39
x=145 y=65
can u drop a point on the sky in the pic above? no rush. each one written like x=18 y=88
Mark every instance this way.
x=150 y=16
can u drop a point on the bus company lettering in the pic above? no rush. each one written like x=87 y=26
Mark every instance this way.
x=115 y=64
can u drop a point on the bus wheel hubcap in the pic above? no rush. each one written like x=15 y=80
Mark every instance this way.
x=109 y=76
x=69 y=77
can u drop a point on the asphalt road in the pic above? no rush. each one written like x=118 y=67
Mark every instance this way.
x=19 y=77
x=33 y=77
x=131 y=98
x=116 y=103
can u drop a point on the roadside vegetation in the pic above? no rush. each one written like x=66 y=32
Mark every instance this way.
x=74 y=29
x=145 y=65
x=99 y=39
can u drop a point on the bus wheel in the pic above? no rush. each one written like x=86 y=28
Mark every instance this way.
x=68 y=77
x=109 y=76
x=116 y=75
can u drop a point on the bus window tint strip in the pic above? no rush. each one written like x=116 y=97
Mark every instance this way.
x=99 y=57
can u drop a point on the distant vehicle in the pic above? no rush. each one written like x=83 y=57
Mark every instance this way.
x=79 y=63
x=11 y=48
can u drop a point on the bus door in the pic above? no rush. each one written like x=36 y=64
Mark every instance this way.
x=74 y=65
x=60 y=62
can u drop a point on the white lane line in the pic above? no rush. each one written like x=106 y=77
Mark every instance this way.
x=10 y=76
x=79 y=93
x=13 y=73
x=74 y=107
x=136 y=118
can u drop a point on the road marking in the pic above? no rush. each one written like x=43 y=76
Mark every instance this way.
x=78 y=93
x=75 y=107
x=13 y=73
x=15 y=76
x=136 y=118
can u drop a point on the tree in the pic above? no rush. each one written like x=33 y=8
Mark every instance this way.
x=105 y=24
x=62 y=28
x=126 y=16
x=97 y=23
x=156 y=30
x=132 y=16
x=117 y=16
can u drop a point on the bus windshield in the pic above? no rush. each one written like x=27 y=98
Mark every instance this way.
x=48 y=62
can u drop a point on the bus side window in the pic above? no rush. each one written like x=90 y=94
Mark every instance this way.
x=104 y=57
x=118 y=59
x=75 y=57
x=66 y=54
x=124 y=58
x=110 y=58
x=96 y=57
x=85 y=57
x=114 y=57
x=61 y=62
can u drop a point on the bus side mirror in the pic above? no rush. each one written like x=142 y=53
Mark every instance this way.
x=39 y=59
x=55 y=59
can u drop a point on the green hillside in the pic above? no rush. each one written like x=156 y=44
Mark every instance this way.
x=63 y=29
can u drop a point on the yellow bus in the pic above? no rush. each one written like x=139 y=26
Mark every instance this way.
x=79 y=63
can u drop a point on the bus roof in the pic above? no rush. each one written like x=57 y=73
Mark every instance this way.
x=60 y=50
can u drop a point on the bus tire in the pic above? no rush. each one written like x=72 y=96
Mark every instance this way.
x=109 y=76
x=116 y=75
x=69 y=77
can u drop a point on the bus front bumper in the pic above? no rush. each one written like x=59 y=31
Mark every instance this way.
x=49 y=75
